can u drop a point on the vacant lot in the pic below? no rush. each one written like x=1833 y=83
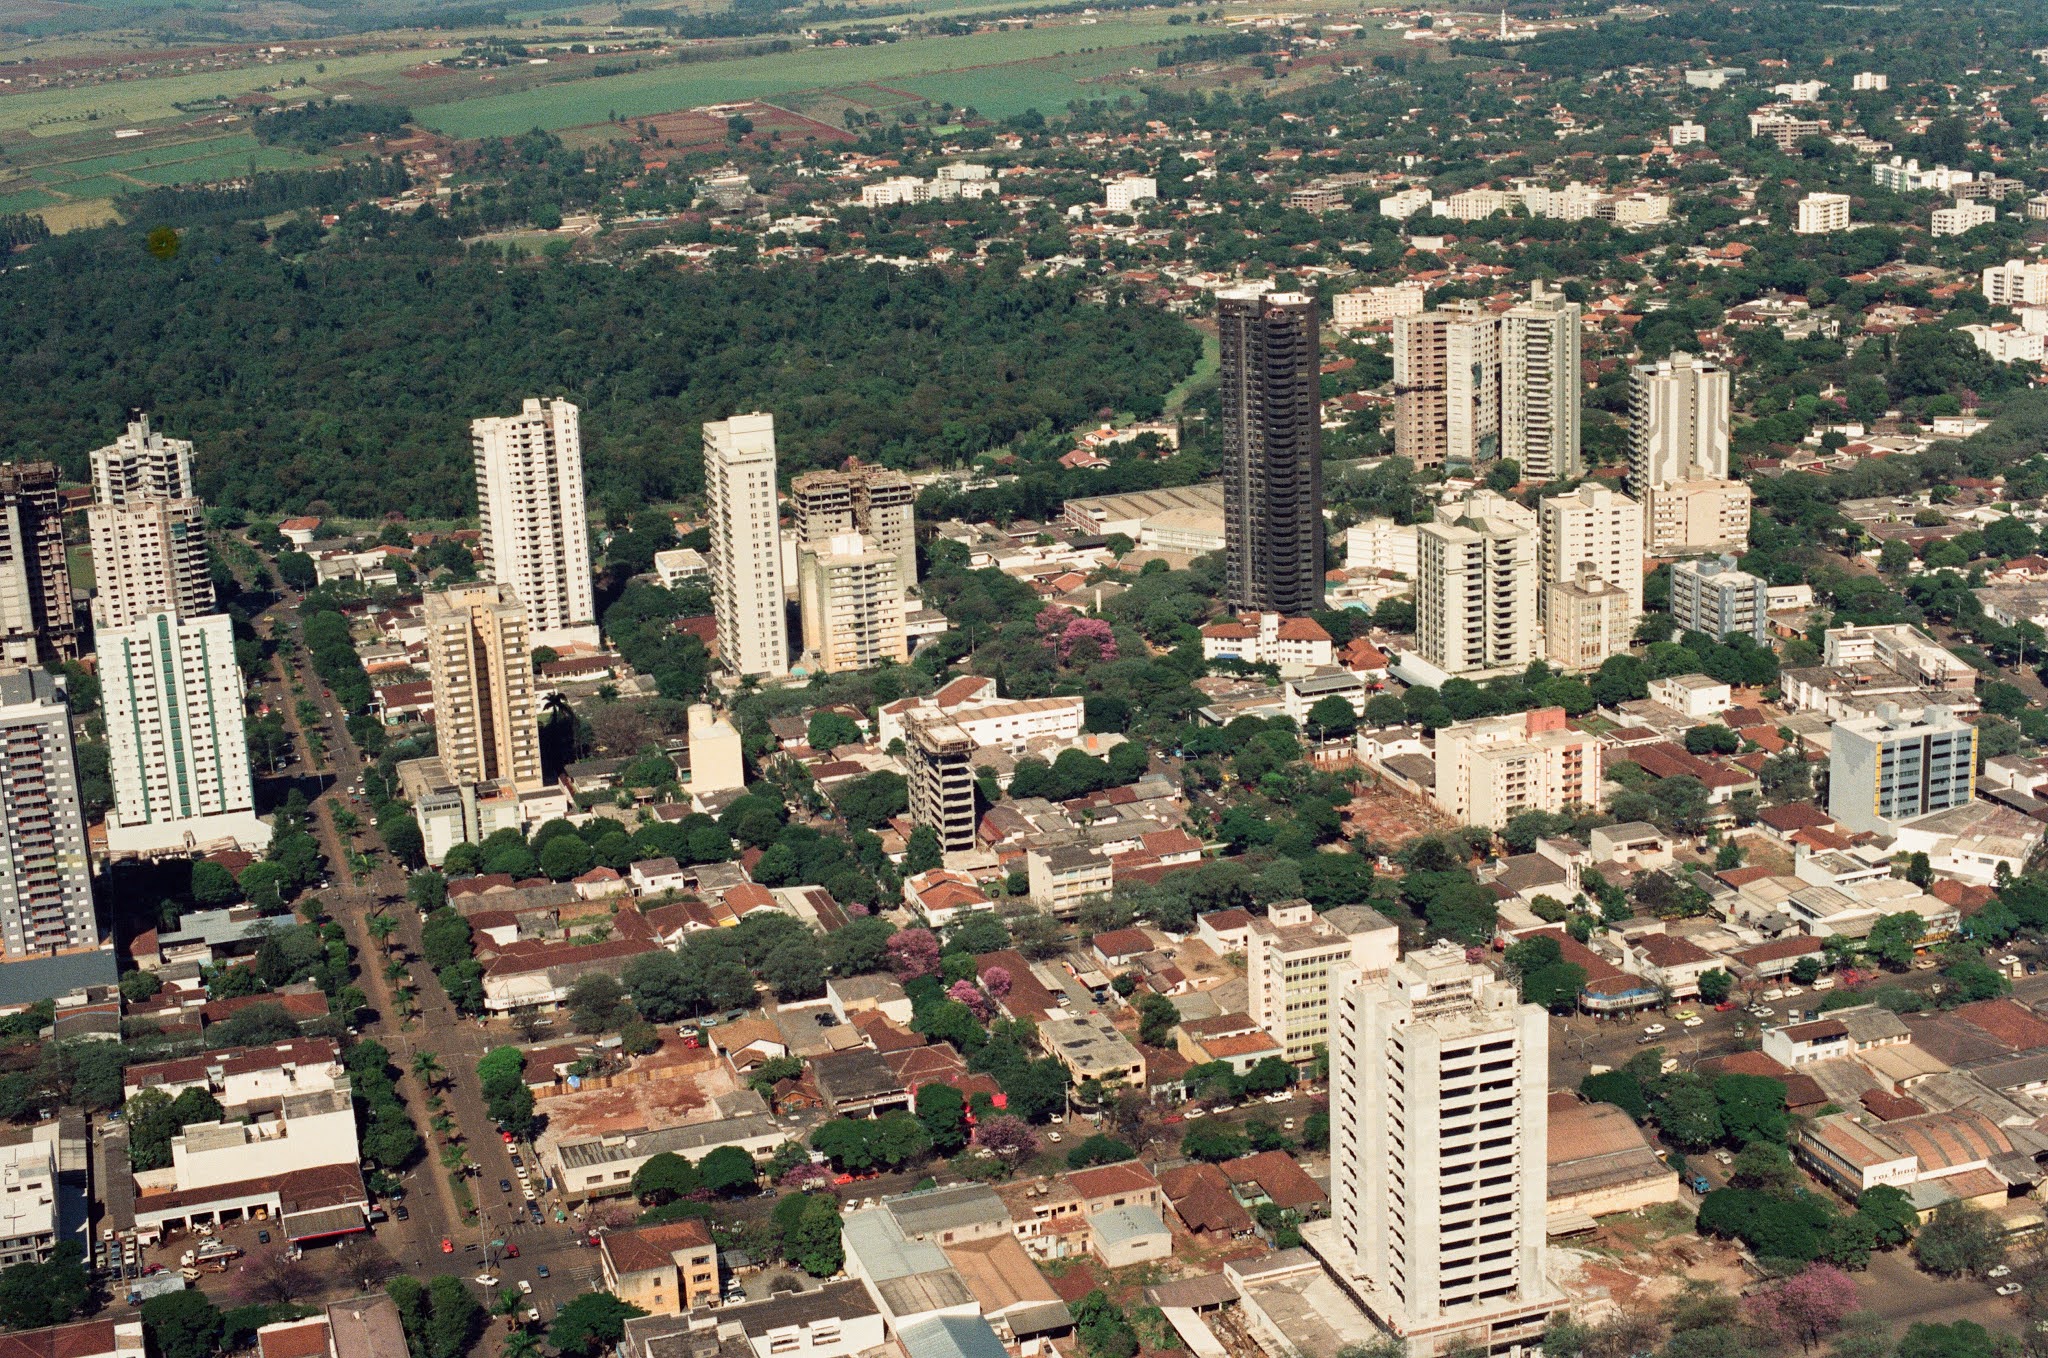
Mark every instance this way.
x=987 y=61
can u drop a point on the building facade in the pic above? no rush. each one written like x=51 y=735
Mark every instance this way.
x=1593 y=530
x=1684 y=518
x=1438 y=1150
x=1294 y=958
x=530 y=503
x=486 y=723
x=45 y=870
x=1720 y=600
x=1586 y=620
x=851 y=594
x=1677 y=422
x=147 y=529
x=38 y=617
x=2017 y=283
x=177 y=745
x=874 y=501
x=1476 y=584
x=1892 y=766
x=1447 y=387
x=941 y=759
x=746 y=545
x=1376 y=306
x=1540 y=386
x=1822 y=214
x=1272 y=451
x=1491 y=769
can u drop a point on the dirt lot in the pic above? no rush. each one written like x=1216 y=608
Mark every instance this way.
x=1637 y=1262
x=1392 y=817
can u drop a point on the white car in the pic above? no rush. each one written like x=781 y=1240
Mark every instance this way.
x=527 y=1191
x=1654 y=1029
x=486 y=1280
x=1194 y=1113
x=1052 y=1136
x=533 y=1314
x=1280 y=1097
x=2008 y=1289
x=525 y=1288
x=1765 y=1011
x=1694 y=1022
x=2002 y=1271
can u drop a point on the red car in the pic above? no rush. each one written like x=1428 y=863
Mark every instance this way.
x=509 y=1138
x=511 y=1251
x=447 y=1245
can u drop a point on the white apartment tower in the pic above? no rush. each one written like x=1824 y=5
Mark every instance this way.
x=1294 y=959
x=1439 y=1123
x=479 y=656
x=2017 y=283
x=1477 y=578
x=872 y=500
x=45 y=871
x=1594 y=528
x=1677 y=422
x=1540 y=386
x=536 y=534
x=175 y=735
x=1822 y=214
x=746 y=545
x=147 y=528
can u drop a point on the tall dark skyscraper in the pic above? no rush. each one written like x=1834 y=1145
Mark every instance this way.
x=1273 y=451
x=38 y=620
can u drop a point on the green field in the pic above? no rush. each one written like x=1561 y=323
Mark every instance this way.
x=199 y=160
x=27 y=200
x=131 y=102
x=962 y=62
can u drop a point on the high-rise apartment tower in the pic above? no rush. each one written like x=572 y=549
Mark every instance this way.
x=1272 y=452
x=480 y=659
x=1540 y=386
x=148 y=530
x=45 y=871
x=536 y=532
x=38 y=620
x=746 y=545
x=1476 y=586
x=1677 y=422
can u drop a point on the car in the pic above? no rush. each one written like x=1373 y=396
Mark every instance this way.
x=1694 y=1022
x=1774 y=994
x=1724 y=1006
x=533 y=1315
x=512 y=1250
x=1724 y=1157
x=447 y=1245
x=541 y=1270
x=525 y=1288
x=1764 y=1011
x=530 y=1194
x=520 y=1170
x=509 y=1138
x=1279 y=1096
x=1792 y=990
x=1645 y=1040
x=486 y=1280
x=263 y=1237
x=401 y=1212
x=1194 y=1113
x=2001 y=1271
x=1052 y=1136
x=1653 y=1029
x=1288 y=1124
x=2008 y=1289
x=1683 y=1013
x=504 y=1185
x=152 y=1270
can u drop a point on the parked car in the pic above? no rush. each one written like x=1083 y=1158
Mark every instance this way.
x=2008 y=1289
x=541 y=1270
x=525 y=1288
x=401 y=1213
x=512 y=1250
x=447 y=1245
x=2001 y=1271
x=263 y=1237
x=504 y=1185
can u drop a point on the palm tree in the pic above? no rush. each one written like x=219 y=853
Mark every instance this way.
x=382 y=927
x=426 y=1068
x=506 y=1304
x=521 y=1344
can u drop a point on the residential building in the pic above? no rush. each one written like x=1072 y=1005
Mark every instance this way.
x=1439 y=1145
x=487 y=726
x=147 y=529
x=177 y=745
x=38 y=616
x=244 y=1080
x=1716 y=598
x=1447 y=387
x=1593 y=530
x=1296 y=957
x=678 y=564
x=873 y=501
x=1091 y=1048
x=452 y=812
x=1586 y=620
x=1127 y=191
x=717 y=761
x=1687 y=133
x=976 y=706
x=851 y=594
x=1477 y=578
x=1269 y=639
x=2017 y=283
x=2007 y=343
x=1684 y=518
x=1376 y=306
x=1785 y=130
x=1692 y=695
x=1822 y=214
x=1906 y=176
x=1677 y=422
x=1540 y=386
x=665 y=1270
x=838 y=1320
x=941 y=760
x=84 y=1339
x=530 y=504
x=1903 y=647
x=1273 y=451
x=1893 y=766
x=1408 y=203
x=45 y=869
x=746 y=545
x=1491 y=769
x=28 y=1202
x=1064 y=877
x=1381 y=545
x=1870 y=80
x=1964 y=216
x=1640 y=208
x=1713 y=77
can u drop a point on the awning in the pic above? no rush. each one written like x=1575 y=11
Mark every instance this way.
x=320 y=1223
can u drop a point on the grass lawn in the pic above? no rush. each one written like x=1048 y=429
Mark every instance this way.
x=1205 y=372
x=81 y=566
x=668 y=88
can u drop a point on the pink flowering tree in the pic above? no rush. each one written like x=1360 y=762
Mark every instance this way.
x=1072 y=636
x=806 y=1173
x=969 y=994
x=996 y=981
x=1010 y=1139
x=913 y=953
x=1805 y=1308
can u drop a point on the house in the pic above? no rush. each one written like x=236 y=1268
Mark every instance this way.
x=1636 y=842
x=1665 y=959
x=300 y=532
x=1130 y=1235
x=1124 y=1184
x=1844 y=1032
x=1278 y=1178
x=1202 y=1199
x=665 y=1269
x=652 y=876
x=850 y=995
x=859 y=1083
x=1091 y=1048
x=1225 y=931
x=1119 y=948
x=943 y=896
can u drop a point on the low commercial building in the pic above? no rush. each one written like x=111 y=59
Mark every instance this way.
x=1091 y=1048
x=1600 y=1164
x=594 y=1166
x=837 y=1320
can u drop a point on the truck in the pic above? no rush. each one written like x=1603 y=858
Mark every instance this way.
x=1700 y=1185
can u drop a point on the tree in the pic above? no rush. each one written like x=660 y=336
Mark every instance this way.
x=664 y=1177
x=565 y=857
x=426 y=1068
x=1959 y=1239
x=181 y=1324
x=1156 y=1019
x=1715 y=985
x=943 y=1111
x=1712 y=740
x=814 y=1244
x=729 y=1170
x=597 y=1003
x=33 y=1295
x=1959 y=1339
x=1099 y=1150
x=830 y=730
x=1688 y=1112
x=1332 y=717
x=592 y=1322
x=212 y=884
x=859 y=947
x=924 y=852
x=1891 y=1214
x=1619 y=1088
x=795 y=970
x=1752 y=1107
x=1214 y=1142
x=913 y=953
x=1009 y=1139
x=1893 y=937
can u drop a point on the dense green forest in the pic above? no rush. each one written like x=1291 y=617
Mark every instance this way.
x=348 y=373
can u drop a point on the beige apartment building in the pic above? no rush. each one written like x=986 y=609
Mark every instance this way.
x=1493 y=768
x=1822 y=214
x=1677 y=422
x=1540 y=386
x=1594 y=529
x=536 y=534
x=1447 y=387
x=1477 y=579
x=873 y=501
x=1294 y=958
x=1376 y=306
x=485 y=719
x=38 y=620
x=147 y=530
x=746 y=545
x=941 y=760
x=1586 y=620
x=666 y=1269
x=851 y=594
x=1688 y=518
x=2017 y=283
